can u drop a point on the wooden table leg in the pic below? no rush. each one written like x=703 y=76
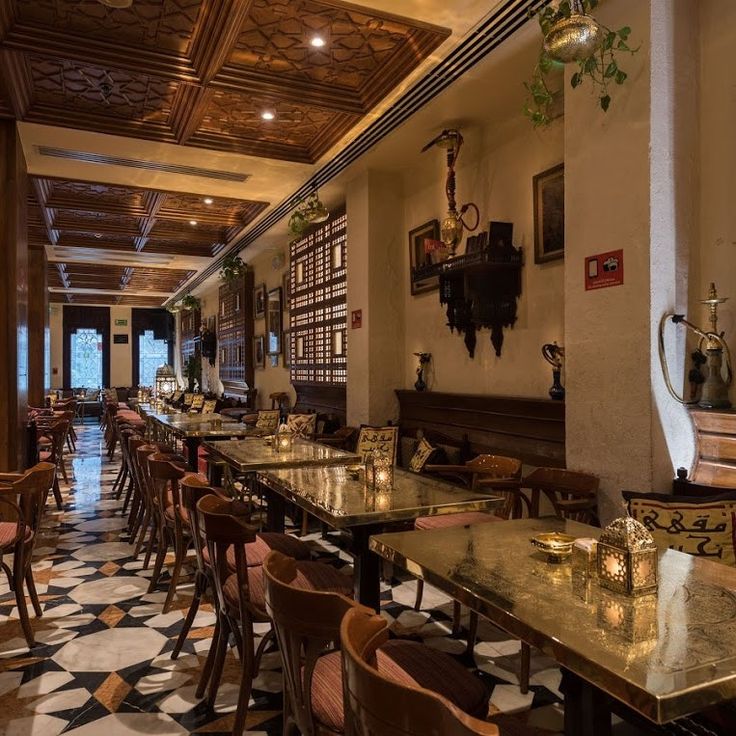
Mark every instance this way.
x=275 y=511
x=367 y=575
x=587 y=709
x=192 y=444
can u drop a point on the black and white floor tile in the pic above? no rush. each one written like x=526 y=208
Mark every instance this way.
x=102 y=662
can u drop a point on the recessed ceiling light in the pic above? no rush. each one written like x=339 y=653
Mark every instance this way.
x=192 y=222
x=268 y=115
x=208 y=200
x=317 y=41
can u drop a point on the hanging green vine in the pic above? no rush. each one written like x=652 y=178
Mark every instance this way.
x=190 y=302
x=232 y=268
x=601 y=68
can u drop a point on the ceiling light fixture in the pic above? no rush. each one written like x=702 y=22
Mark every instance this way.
x=268 y=115
x=208 y=200
x=317 y=41
x=192 y=222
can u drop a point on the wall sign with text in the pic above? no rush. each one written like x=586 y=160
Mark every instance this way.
x=604 y=270
x=356 y=319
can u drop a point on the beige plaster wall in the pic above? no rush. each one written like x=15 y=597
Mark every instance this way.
x=495 y=171
x=121 y=356
x=210 y=374
x=56 y=342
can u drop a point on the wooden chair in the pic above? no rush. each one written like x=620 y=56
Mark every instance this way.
x=240 y=597
x=573 y=495
x=388 y=704
x=22 y=500
x=341 y=439
x=51 y=439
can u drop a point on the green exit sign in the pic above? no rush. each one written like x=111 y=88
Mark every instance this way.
x=121 y=323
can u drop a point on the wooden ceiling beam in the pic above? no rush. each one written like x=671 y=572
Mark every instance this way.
x=18 y=81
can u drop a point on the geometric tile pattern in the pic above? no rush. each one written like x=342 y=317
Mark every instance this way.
x=102 y=661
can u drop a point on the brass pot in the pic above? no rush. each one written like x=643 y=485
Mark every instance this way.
x=574 y=38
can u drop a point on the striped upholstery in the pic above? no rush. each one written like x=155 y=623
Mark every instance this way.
x=309 y=576
x=445 y=521
x=8 y=532
x=256 y=552
x=406 y=662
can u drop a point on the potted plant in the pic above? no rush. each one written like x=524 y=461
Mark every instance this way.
x=190 y=302
x=307 y=212
x=572 y=35
x=232 y=268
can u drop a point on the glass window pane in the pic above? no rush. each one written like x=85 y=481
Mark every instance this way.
x=152 y=354
x=86 y=359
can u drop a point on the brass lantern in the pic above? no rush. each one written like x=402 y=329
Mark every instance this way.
x=165 y=382
x=383 y=472
x=575 y=38
x=627 y=558
x=284 y=440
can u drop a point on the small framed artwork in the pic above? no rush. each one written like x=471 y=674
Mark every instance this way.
x=259 y=301
x=274 y=321
x=500 y=235
x=418 y=255
x=259 y=351
x=549 y=214
x=286 y=347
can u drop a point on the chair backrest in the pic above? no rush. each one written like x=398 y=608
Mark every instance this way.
x=10 y=513
x=307 y=624
x=507 y=471
x=496 y=466
x=224 y=527
x=143 y=452
x=382 y=439
x=192 y=489
x=302 y=425
x=378 y=706
x=165 y=474
x=565 y=489
x=30 y=491
x=268 y=420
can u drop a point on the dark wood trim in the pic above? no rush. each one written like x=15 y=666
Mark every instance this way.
x=97 y=318
x=532 y=430
x=320 y=398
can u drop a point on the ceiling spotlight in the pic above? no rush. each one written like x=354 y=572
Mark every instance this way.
x=317 y=41
x=192 y=222
x=208 y=200
x=268 y=115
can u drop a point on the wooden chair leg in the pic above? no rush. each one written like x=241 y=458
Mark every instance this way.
x=526 y=660
x=128 y=495
x=57 y=494
x=200 y=585
x=204 y=678
x=162 y=549
x=20 y=596
x=246 y=681
x=456 y=614
x=152 y=541
x=32 y=594
x=180 y=550
x=420 y=594
x=472 y=632
x=219 y=661
x=62 y=467
x=305 y=524
x=118 y=478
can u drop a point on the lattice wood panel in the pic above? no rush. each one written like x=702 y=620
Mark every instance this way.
x=189 y=333
x=318 y=316
x=235 y=332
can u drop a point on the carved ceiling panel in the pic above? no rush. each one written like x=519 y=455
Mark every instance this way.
x=95 y=197
x=103 y=241
x=157 y=279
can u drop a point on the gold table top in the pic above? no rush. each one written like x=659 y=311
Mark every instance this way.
x=254 y=453
x=205 y=425
x=335 y=496
x=664 y=655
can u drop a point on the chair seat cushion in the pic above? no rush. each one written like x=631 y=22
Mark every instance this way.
x=183 y=513
x=256 y=552
x=309 y=576
x=406 y=662
x=44 y=456
x=445 y=521
x=9 y=531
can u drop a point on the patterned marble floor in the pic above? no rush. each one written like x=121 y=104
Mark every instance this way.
x=102 y=663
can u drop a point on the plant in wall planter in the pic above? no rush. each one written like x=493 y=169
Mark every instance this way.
x=193 y=371
x=573 y=36
x=232 y=268
x=307 y=212
x=190 y=302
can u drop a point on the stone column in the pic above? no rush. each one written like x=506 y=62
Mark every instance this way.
x=630 y=180
x=38 y=326
x=375 y=254
x=13 y=299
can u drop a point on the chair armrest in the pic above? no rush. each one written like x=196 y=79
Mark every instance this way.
x=510 y=484
x=578 y=504
x=10 y=477
x=457 y=469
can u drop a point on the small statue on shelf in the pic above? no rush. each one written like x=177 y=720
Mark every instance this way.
x=424 y=358
x=554 y=355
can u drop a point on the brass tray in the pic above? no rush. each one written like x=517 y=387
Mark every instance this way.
x=555 y=545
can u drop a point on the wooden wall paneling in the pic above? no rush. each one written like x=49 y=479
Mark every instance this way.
x=532 y=430
x=191 y=321
x=38 y=326
x=235 y=334
x=13 y=299
x=715 y=448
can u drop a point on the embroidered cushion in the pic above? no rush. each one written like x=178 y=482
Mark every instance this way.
x=704 y=527
x=383 y=439
x=421 y=456
x=209 y=406
x=302 y=425
x=268 y=420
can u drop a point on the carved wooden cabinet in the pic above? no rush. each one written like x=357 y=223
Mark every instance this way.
x=235 y=334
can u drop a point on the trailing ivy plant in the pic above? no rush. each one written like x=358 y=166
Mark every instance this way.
x=232 y=268
x=190 y=302
x=601 y=68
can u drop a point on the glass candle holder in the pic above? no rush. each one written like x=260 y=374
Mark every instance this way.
x=284 y=441
x=383 y=473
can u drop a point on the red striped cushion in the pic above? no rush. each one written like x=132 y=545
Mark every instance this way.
x=445 y=521
x=256 y=552
x=9 y=531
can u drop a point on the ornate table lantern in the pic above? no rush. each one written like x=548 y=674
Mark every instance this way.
x=165 y=381
x=627 y=558
x=284 y=440
x=383 y=472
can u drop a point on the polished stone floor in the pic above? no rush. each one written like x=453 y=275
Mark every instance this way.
x=102 y=665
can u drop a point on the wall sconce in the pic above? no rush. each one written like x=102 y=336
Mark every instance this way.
x=627 y=558
x=284 y=440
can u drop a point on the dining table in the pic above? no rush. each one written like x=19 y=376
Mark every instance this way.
x=655 y=658
x=339 y=497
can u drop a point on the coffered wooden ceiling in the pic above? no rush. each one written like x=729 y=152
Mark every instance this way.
x=201 y=72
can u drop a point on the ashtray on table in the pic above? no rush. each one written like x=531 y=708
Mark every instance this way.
x=557 y=546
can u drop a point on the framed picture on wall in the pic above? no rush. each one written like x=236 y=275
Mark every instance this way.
x=549 y=214
x=259 y=301
x=418 y=256
x=259 y=352
x=286 y=347
x=274 y=321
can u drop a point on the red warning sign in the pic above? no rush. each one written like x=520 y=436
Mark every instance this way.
x=604 y=270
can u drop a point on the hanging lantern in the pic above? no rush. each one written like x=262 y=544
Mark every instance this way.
x=627 y=558
x=165 y=383
x=575 y=38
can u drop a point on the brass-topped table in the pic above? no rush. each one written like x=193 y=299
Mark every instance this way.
x=338 y=497
x=663 y=656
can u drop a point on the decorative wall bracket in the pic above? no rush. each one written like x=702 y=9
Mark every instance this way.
x=479 y=290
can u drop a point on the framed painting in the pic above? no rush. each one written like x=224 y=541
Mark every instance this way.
x=274 y=321
x=259 y=352
x=418 y=256
x=549 y=214
x=259 y=301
